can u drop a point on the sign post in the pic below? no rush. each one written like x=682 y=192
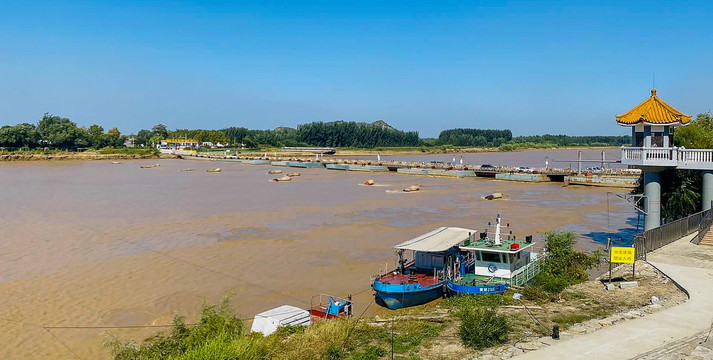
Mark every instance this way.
x=622 y=255
x=609 y=249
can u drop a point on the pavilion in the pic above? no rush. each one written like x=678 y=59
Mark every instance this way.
x=653 y=123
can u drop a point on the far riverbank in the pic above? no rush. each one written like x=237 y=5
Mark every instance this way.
x=128 y=154
x=86 y=155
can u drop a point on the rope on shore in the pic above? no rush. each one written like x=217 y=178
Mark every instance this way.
x=64 y=344
x=48 y=331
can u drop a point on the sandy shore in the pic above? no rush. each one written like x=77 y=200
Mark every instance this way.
x=87 y=155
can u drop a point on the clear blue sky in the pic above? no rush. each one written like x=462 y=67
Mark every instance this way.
x=533 y=67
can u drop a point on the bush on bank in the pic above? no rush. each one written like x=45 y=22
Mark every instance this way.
x=563 y=266
x=219 y=334
x=482 y=327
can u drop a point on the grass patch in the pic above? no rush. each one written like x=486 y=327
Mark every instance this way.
x=568 y=320
x=465 y=302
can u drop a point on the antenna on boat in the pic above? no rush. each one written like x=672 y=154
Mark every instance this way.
x=497 y=231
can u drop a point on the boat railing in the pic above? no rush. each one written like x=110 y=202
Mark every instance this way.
x=526 y=273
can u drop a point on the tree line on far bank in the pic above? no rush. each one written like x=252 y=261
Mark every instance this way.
x=58 y=133
x=55 y=132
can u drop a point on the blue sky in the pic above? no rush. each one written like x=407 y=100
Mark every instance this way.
x=531 y=66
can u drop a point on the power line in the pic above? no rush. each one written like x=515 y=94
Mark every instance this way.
x=64 y=344
x=48 y=331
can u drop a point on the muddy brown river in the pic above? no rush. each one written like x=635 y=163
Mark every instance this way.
x=100 y=244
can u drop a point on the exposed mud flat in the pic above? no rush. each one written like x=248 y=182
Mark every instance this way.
x=87 y=155
x=95 y=243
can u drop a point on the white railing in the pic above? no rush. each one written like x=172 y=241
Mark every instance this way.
x=630 y=153
x=695 y=156
x=648 y=155
x=701 y=159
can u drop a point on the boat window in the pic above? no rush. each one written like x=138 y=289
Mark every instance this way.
x=491 y=257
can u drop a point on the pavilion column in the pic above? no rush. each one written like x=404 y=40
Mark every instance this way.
x=707 y=189
x=652 y=191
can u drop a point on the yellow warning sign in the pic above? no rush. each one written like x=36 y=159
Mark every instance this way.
x=625 y=255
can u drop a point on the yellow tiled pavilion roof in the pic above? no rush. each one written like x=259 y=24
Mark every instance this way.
x=653 y=111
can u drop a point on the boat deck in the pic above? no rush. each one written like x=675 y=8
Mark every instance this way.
x=423 y=279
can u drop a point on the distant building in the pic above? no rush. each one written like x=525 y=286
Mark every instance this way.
x=130 y=141
x=178 y=144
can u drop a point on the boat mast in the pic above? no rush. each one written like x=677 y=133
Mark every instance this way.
x=497 y=231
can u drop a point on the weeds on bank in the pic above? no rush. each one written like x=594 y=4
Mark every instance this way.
x=221 y=335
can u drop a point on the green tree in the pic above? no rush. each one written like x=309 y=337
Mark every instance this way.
x=95 y=130
x=114 y=132
x=563 y=266
x=697 y=135
x=160 y=130
x=143 y=138
x=19 y=136
x=155 y=140
x=61 y=133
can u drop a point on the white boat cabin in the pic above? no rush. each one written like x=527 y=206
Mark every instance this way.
x=431 y=251
x=499 y=261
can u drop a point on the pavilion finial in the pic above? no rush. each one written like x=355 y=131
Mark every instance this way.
x=653 y=92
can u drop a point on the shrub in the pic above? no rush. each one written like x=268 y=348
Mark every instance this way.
x=564 y=266
x=217 y=328
x=481 y=328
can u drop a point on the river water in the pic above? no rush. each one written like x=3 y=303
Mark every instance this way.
x=101 y=244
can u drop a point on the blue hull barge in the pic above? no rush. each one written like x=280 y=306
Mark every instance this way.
x=475 y=287
x=424 y=278
x=396 y=296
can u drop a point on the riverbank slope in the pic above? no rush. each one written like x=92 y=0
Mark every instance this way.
x=86 y=155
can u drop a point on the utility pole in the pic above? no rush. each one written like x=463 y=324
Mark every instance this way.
x=392 y=338
x=603 y=159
